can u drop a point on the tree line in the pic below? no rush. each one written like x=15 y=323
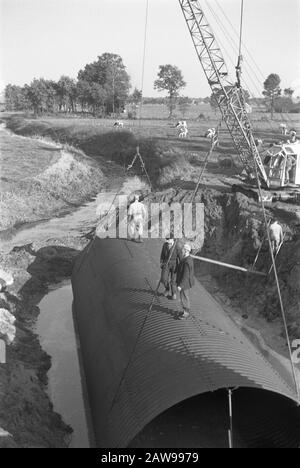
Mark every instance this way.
x=103 y=88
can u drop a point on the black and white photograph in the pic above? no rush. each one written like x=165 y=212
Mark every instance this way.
x=149 y=226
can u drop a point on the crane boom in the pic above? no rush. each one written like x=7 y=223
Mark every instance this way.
x=229 y=95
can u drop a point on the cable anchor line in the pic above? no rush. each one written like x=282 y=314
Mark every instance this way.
x=278 y=286
x=139 y=156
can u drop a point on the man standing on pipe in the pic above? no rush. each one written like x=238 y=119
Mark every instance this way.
x=185 y=280
x=136 y=216
x=169 y=260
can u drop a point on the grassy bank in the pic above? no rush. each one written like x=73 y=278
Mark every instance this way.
x=157 y=141
x=67 y=181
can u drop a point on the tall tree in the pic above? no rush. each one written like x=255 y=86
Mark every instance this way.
x=170 y=79
x=51 y=102
x=38 y=93
x=15 y=98
x=83 y=93
x=66 y=93
x=110 y=73
x=272 y=89
x=97 y=98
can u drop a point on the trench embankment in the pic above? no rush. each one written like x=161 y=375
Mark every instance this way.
x=41 y=179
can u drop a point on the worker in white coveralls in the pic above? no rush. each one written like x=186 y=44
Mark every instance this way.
x=290 y=164
x=137 y=214
x=276 y=235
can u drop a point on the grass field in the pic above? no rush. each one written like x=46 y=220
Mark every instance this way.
x=166 y=156
x=156 y=135
x=155 y=123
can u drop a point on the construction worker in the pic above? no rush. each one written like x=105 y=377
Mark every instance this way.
x=293 y=135
x=290 y=163
x=182 y=128
x=169 y=260
x=283 y=128
x=213 y=134
x=276 y=235
x=137 y=214
x=185 y=280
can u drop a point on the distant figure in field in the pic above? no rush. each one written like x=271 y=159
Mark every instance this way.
x=118 y=124
x=283 y=128
x=181 y=123
x=276 y=235
x=182 y=128
x=213 y=135
x=210 y=133
x=293 y=136
x=258 y=142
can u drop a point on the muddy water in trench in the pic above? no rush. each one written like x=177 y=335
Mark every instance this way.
x=55 y=328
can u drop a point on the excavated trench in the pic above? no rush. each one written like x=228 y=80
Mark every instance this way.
x=232 y=232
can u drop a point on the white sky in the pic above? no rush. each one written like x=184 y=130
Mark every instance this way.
x=50 y=38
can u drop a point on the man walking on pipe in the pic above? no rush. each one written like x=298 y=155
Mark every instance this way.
x=169 y=260
x=185 y=280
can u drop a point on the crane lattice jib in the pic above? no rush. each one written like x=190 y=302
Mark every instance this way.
x=229 y=96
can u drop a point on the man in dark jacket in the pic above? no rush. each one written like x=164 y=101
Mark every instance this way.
x=169 y=260
x=185 y=280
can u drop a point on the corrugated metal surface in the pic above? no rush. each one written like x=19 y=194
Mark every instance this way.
x=174 y=360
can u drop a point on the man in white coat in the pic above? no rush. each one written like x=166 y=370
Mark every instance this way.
x=137 y=214
x=276 y=235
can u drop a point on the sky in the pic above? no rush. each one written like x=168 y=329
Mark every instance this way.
x=50 y=38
